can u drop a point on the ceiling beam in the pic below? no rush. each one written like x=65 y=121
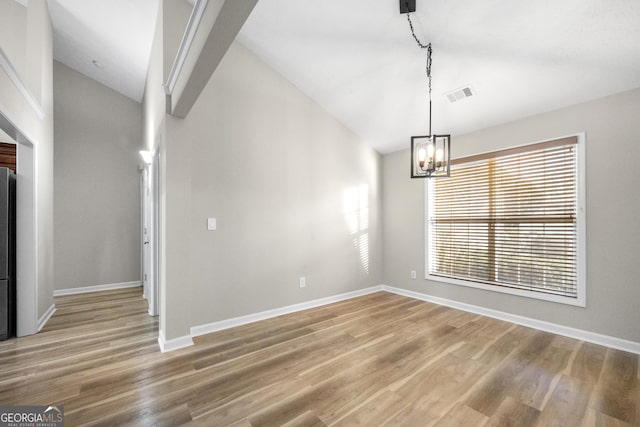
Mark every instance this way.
x=216 y=28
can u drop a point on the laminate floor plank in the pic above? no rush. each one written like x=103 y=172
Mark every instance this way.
x=512 y=412
x=507 y=375
x=617 y=392
x=308 y=419
x=462 y=415
x=379 y=359
x=567 y=405
x=380 y=407
x=533 y=382
x=497 y=350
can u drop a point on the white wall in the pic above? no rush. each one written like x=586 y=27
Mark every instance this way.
x=13 y=33
x=170 y=24
x=613 y=230
x=294 y=192
x=34 y=121
x=153 y=109
x=39 y=77
x=97 y=207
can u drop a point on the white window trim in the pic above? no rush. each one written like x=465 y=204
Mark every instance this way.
x=581 y=300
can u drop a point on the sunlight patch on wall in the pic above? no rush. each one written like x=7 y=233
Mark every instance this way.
x=356 y=214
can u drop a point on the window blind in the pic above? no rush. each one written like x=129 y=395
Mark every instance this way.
x=508 y=218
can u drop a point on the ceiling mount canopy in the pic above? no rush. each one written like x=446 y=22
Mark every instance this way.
x=430 y=154
x=407 y=6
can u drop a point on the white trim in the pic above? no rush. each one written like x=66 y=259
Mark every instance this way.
x=36 y=233
x=579 y=334
x=605 y=340
x=46 y=316
x=185 y=45
x=581 y=182
x=250 y=318
x=174 y=344
x=96 y=288
x=8 y=68
x=21 y=137
x=581 y=299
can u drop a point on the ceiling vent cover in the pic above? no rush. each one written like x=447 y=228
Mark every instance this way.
x=460 y=94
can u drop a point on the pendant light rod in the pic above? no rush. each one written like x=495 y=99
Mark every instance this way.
x=430 y=154
x=429 y=60
x=430 y=116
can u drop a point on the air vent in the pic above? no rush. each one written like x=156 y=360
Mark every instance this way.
x=460 y=94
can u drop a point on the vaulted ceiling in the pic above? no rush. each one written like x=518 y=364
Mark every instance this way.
x=117 y=34
x=357 y=59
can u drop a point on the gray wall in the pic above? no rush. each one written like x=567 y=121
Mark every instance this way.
x=282 y=178
x=613 y=229
x=98 y=133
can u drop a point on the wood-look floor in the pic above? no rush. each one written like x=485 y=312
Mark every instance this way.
x=381 y=359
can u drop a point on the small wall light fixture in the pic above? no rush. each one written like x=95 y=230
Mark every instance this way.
x=146 y=156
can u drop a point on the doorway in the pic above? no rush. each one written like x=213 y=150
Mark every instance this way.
x=149 y=235
x=26 y=268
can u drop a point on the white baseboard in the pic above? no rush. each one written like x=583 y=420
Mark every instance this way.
x=174 y=344
x=186 y=340
x=96 y=288
x=46 y=316
x=605 y=340
x=250 y=318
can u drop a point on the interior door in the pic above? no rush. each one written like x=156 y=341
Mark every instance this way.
x=147 y=240
x=144 y=232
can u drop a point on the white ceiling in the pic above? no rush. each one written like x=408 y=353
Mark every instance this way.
x=117 y=33
x=358 y=60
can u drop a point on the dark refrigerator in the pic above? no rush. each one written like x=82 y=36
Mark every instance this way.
x=7 y=254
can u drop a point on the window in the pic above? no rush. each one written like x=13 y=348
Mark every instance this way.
x=512 y=221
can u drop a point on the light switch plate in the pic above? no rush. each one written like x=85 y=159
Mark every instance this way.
x=211 y=224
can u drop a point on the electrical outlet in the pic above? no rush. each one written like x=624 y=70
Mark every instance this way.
x=303 y=282
x=413 y=274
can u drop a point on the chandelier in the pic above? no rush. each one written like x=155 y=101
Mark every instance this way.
x=430 y=154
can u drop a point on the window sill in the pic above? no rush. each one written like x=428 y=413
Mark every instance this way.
x=580 y=301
